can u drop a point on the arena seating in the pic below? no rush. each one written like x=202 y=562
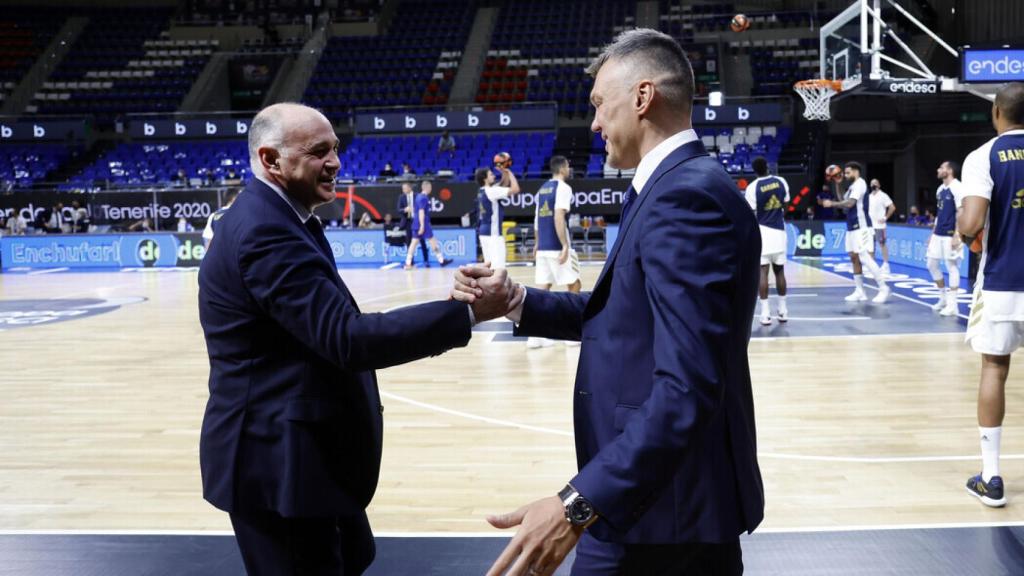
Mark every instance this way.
x=539 y=51
x=120 y=64
x=776 y=65
x=24 y=33
x=366 y=156
x=153 y=163
x=413 y=64
x=23 y=165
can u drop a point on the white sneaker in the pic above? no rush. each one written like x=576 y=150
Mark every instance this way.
x=858 y=295
x=885 y=269
x=783 y=315
x=940 y=304
x=533 y=343
x=882 y=296
x=951 y=309
x=766 y=319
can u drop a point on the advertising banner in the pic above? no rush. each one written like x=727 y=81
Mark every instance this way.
x=410 y=122
x=991 y=66
x=42 y=130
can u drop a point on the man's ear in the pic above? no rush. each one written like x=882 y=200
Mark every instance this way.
x=269 y=159
x=643 y=96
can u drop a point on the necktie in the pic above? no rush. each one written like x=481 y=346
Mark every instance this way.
x=627 y=203
x=314 y=227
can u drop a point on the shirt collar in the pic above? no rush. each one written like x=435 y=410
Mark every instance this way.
x=301 y=211
x=649 y=163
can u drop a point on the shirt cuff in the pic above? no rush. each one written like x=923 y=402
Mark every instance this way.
x=472 y=317
x=516 y=314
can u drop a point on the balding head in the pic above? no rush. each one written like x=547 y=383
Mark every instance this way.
x=1008 y=109
x=271 y=126
x=294 y=147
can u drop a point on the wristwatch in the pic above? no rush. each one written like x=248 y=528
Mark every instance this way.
x=578 y=510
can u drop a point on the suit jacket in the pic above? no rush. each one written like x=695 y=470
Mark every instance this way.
x=664 y=416
x=294 y=424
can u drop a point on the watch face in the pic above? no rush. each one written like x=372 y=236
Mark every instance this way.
x=580 y=511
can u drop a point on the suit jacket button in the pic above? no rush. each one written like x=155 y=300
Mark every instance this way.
x=381 y=408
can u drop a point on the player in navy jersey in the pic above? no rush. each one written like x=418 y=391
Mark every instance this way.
x=860 y=237
x=491 y=213
x=557 y=263
x=993 y=185
x=945 y=245
x=421 y=230
x=767 y=196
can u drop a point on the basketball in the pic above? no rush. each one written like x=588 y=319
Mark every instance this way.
x=739 y=23
x=833 y=173
x=502 y=160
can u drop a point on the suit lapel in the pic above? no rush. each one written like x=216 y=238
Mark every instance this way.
x=677 y=157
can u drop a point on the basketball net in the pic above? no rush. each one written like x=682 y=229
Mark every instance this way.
x=817 y=94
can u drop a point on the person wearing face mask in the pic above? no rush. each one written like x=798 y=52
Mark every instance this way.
x=880 y=210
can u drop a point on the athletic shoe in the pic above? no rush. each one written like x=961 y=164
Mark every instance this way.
x=445 y=263
x=534 y=343
x=783 y=315
x=940 y=304
x=990 y=493
x=766 y=319
x=882 y=296
x=408 y=267
x=858 y=295
x=951 y=309
x=885 y=269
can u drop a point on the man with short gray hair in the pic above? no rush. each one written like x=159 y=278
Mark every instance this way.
x=291 y=439
x=664 y=417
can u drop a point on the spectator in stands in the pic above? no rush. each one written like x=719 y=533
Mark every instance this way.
x=809 y=213
x=180 y=179
x=16 y=224
x=446 y=144
x=208 y=179
x=388 y=171
x=144 y=225
x=231 y=178
x=79 y=217
x=408 y=172
x=366 y=221
x=929 y=217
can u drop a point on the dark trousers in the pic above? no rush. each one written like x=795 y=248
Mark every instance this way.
x=275 y=546
x=597 y=558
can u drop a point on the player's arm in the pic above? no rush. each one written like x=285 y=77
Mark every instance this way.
x=844 y=204
x=751 y=195
x=423 y=221
x=976 y=196
x=890 y=210
x=563 y=234
x=513 y=182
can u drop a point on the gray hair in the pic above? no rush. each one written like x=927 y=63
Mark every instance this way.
x=267 y=130
x=655 y=54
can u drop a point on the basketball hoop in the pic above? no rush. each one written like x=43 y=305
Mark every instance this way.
x=816 y=95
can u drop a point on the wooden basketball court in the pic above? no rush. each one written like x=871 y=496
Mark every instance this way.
x=101 y=416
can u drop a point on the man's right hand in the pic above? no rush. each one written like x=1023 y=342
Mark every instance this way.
x=491 y=293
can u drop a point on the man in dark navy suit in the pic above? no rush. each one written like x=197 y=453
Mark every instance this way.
x=291 y=438
x=664 y=416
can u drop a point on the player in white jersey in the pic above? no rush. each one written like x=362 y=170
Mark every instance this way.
x=993 y=201
x=211 y=222
x=557 y=262
x=860 y=238
x=881 y=209
x=491 y=213
x=944 y=244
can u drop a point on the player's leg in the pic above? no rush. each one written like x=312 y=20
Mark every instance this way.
x=575 y=287
x=952 y=308
x=988 y=486
x=858 y=277
x=411 y=251
x=779 y=269
x=426 y=254
x=438 y=253
x=762 y=292
x=866 y=242
x=885 y=250
x=934 y=257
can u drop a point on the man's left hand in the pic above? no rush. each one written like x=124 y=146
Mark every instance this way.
x=544 y=538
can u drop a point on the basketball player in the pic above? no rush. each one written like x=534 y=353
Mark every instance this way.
x=882 y=208
x=422 y=232
x=557 y=263
x=860 y=238
x=993 y=191
x=492 y=213
x=767 y=196
x=945 y=245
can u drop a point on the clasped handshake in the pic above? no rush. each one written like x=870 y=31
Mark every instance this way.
x=491 y=293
